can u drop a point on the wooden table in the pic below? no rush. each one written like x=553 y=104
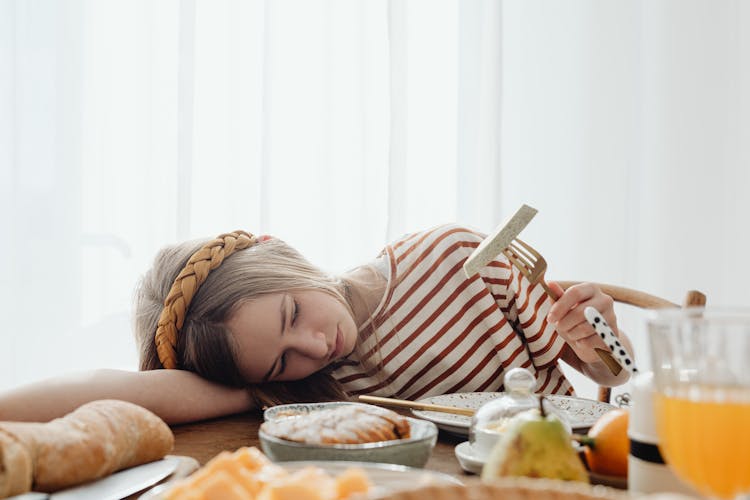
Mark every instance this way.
x=203 y=440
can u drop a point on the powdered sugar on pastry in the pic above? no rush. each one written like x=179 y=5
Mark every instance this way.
x=349 y=424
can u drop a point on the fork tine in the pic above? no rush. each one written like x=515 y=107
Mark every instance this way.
x=532 y=269
x=522 y=252
x=520 y=264
x=530 y=263
x=528 y=248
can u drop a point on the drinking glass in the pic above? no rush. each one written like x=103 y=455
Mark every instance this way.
x=701 y=364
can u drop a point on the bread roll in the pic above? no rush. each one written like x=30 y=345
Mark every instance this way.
x=16 y=467
x=93 y=441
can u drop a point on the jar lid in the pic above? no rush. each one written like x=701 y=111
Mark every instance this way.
x=642 y=423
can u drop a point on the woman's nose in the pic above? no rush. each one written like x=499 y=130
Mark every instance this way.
x=312 y=344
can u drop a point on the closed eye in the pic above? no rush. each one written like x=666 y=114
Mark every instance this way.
x=293 y=320
x=295 y=311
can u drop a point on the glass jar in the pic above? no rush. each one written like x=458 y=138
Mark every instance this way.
x=491 y=419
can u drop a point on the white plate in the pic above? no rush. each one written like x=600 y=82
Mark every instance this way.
x=581 y=413
x=386 y=478
x=469 y=461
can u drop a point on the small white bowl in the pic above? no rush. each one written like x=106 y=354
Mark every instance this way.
x=412 y=452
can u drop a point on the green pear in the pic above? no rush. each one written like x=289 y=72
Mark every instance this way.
x=535 y=445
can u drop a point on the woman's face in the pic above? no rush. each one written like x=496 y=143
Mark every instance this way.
x=290 y=335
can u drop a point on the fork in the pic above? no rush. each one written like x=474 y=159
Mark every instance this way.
x=532 y=266
x=530 y=262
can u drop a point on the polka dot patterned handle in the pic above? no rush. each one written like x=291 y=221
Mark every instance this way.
x=610 y=339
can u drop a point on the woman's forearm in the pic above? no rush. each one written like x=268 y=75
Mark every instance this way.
x=174 y=395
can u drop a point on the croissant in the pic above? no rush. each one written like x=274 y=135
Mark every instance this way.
x=347 y=424
x=93 y=441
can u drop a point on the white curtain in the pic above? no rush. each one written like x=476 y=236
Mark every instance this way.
x=627 y=124
x=340 y=124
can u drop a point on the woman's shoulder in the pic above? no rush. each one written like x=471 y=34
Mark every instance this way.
x=449 y=231
x=456 y=239
x=460 y=231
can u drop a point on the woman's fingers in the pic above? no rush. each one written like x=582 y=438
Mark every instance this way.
x=573 y=296
x=577 y=332
x=575 y=316
x=586 y=294
x=556 y=288
x=585 y=347
x=569 y=321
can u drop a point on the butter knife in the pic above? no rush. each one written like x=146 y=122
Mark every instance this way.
x=605 y=332
x=113 y=487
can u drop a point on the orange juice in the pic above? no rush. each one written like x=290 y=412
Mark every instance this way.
x=706 y=440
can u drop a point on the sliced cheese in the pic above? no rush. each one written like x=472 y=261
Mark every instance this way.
x=248 y=474
x=351 y=481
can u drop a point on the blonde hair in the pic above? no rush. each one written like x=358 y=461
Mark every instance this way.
x=204 y=344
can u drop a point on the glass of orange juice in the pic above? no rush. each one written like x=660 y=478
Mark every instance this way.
x=701 y=364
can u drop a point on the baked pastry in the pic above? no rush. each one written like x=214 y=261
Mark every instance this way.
x=93 y=441
x=346 y=424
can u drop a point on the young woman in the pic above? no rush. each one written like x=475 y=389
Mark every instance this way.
x=239 y=322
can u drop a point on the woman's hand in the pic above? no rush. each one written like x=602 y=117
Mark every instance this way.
x=566 y=315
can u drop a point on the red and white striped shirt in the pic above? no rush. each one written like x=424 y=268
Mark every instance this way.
x=437 y=332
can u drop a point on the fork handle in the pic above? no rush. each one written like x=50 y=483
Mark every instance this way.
x=554 y=296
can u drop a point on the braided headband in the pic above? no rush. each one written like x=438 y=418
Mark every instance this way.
x=192 y=276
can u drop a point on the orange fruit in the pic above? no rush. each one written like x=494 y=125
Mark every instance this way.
x=607 y=444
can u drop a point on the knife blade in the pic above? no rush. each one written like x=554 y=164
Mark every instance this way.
x=491 y=246
x=120 y=484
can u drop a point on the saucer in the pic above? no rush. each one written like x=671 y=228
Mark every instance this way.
x=468 y=458
x=472 y=463
x=580 y=413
